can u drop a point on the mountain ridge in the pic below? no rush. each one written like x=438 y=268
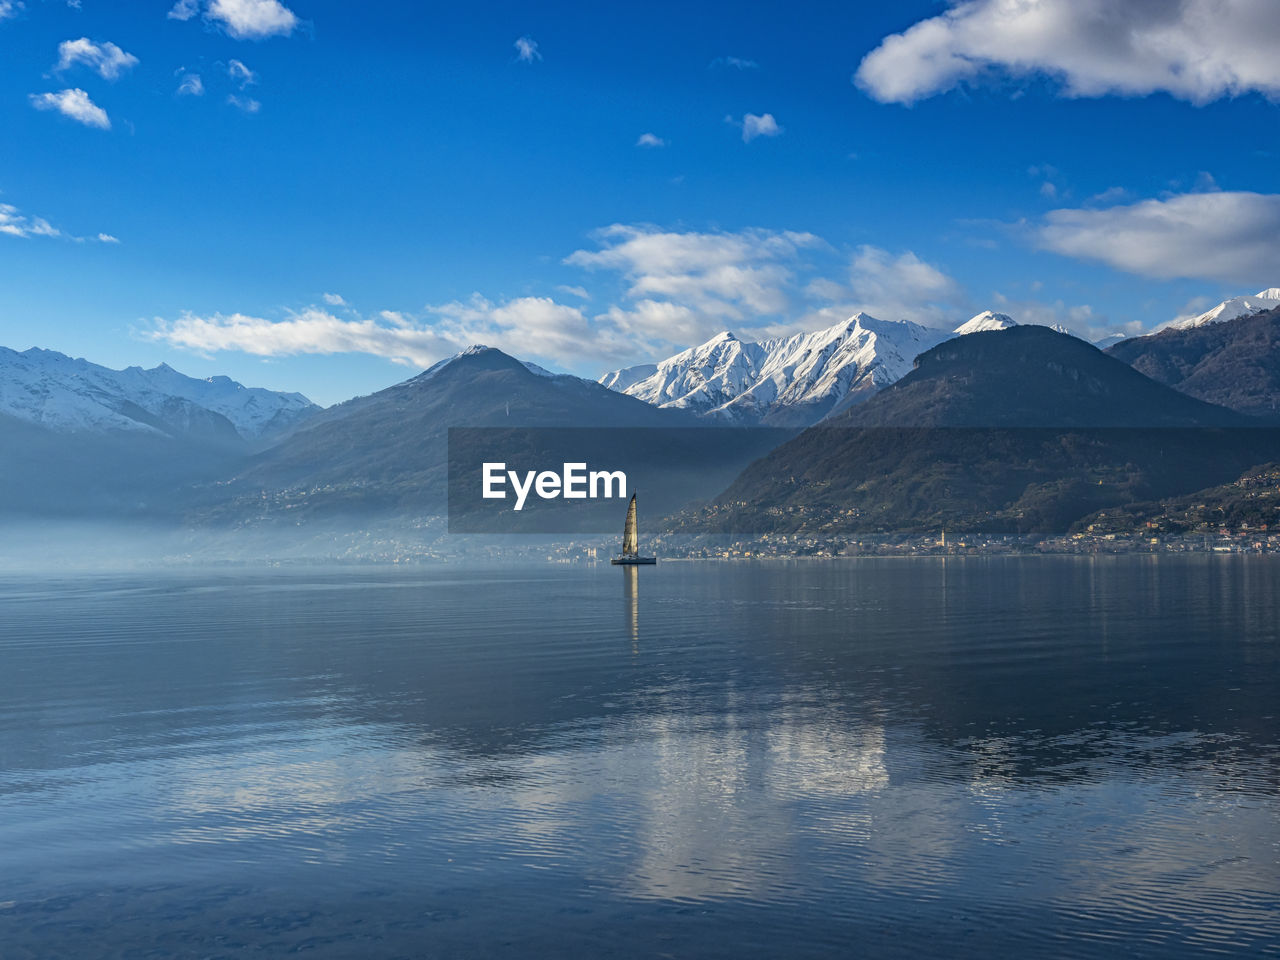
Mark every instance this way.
x=74 y=395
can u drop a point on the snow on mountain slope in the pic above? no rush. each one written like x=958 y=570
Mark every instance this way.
x=986 y=320
x=792 y=380
x=1267 y=299
x=65 y=394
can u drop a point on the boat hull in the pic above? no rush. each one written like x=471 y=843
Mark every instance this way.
x=632 y=561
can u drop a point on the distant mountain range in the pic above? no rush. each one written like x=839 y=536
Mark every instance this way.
x=1019 y=430
x=65 y=395
x=790 y=381
x=81 y=439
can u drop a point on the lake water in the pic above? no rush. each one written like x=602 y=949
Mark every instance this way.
x=1044 y=757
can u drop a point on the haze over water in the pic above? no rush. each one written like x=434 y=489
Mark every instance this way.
x=1034 y=757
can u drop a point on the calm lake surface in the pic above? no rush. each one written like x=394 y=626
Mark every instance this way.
x=1045 y=757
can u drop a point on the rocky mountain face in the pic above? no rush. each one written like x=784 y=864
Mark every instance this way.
x=1234 y=363
x=785 y=381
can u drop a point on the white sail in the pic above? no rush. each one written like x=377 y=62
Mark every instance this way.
x=630 y=543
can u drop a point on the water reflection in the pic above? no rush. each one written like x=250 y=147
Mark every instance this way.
x=1066 y=751
x=631 y=592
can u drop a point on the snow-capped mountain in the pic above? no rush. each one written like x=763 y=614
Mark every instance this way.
x=74 y=395
x=1267 y=299
x=986 y=320
x=791 y=380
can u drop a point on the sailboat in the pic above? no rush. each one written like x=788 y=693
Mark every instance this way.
x=630 y=554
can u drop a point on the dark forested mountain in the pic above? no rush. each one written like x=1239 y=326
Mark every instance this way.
x=1029 y=376
x=1235 y=363
x=1023 y=429
x=388 y=451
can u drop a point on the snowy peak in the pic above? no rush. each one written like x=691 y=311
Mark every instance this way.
x=986 y=320
x=72 y=395
x=1244 y=306
x=791 y=380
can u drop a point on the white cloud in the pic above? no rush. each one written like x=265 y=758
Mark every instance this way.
x=309 y=332
x=74 y=103
x=191 y=85
x=247 y=104
x=108 y=60
x=9 y=8
x=1196 y=50
x=527 y=327
x=679 y=288
x=758 y=126
x=888 y=286
x=240 y=74
x=334 y=299
x=184 y=10
x=527 y=50
x=1224 y=236
x=16 y=224
x=876 y=272
x=722 y=276
x=737 y=63
x=650 y=140
x=250 y=19
x=537 y=327
x=655 y=327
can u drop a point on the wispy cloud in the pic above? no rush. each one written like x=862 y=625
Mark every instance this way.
x=681 y=288
x=1222 y=236
x=241 y=75
x=190 y=85
x=735 y=63
x=73 y=103
x=14 y=223
x=536 y=327
x=9 y=8
x=903 y=286
x=106 y=59
x=527 y=50
x=763 y=125
x=184 y=10
x=247 y=104
x=1195 y=50
x=722 y=275
x=312 y=331
x=678 y=288
x=650 y=140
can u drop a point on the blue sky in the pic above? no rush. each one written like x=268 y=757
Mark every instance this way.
x=349 y=192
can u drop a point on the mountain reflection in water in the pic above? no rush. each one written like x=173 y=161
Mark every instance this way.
x=1025 y=757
